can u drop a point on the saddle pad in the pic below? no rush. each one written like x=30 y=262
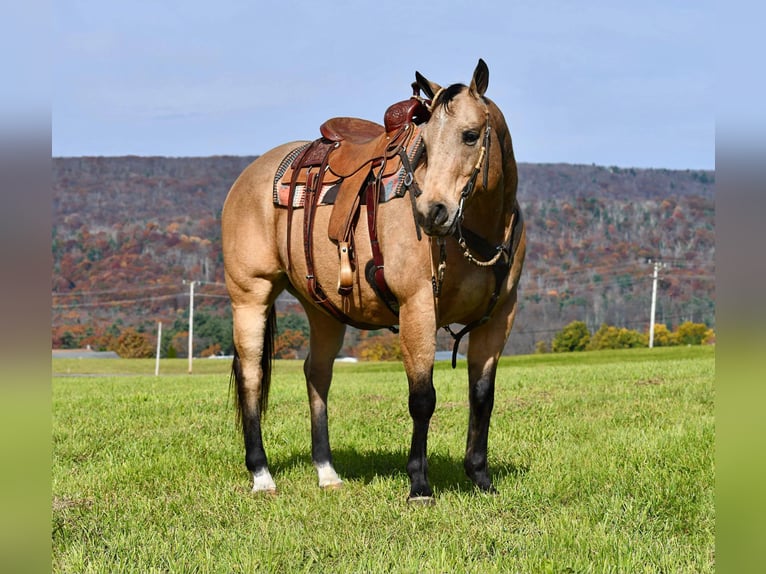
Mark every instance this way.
x=393 y=185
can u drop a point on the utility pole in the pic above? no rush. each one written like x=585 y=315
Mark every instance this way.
x=159 y=345
x=191 y=323
x=657 y=266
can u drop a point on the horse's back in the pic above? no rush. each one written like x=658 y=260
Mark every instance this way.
x=249 y=221
x=259 y=174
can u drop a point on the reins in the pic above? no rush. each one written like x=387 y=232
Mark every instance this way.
x=501 y=265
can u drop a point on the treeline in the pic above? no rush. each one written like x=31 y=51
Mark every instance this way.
x=577 y=337
x=213 y=336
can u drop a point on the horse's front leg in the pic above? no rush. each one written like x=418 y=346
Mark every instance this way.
x=325 y=343
x=485 y=346
x=418 y=341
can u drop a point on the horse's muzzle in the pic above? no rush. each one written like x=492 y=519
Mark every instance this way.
x=438 y=221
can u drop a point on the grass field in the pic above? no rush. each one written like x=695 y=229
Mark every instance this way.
x=604 y=463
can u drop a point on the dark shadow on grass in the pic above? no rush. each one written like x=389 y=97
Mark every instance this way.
x=445 y=473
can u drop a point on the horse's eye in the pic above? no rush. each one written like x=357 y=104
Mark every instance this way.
x=470 y=137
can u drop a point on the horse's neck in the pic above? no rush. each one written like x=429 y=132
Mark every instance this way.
x=489 y=215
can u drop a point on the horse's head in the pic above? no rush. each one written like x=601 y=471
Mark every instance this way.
x=456 y=139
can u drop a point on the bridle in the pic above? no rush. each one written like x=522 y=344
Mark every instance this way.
x=499 y=258
x=481 y=162
x=471 y=183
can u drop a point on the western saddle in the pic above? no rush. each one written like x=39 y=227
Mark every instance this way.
x=354 y=155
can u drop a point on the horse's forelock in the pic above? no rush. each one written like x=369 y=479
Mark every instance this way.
x=445 y=96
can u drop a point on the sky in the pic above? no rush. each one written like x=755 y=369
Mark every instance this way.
x=611 y=83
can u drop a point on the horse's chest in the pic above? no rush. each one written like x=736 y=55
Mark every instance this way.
x=465 y=293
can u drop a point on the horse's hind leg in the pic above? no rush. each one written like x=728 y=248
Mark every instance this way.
x=325 y=343
x=253 y=332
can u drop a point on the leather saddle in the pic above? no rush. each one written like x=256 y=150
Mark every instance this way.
x=349 y=149
x=355 y=155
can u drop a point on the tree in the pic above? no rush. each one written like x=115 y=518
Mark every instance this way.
x=291 y=341
x=380 y=347
x=689 y=333
x=289 y=344
x=68 y=340
x=214 y=349
x=180 y=344
x=573 y=337
x=663 y=337
x=134 y=345
x=211 y=330
x=293 y=322
x=611 y=337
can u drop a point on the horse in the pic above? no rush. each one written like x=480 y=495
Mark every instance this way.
x=453 y=255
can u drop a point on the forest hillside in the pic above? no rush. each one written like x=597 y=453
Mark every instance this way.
x=128 y=231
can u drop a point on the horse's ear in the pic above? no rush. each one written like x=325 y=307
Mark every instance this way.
x=429 y=88
x=480 y=79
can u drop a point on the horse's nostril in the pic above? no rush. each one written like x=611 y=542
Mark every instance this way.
x=438 y=214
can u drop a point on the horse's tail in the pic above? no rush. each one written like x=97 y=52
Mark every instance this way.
x=267 y=361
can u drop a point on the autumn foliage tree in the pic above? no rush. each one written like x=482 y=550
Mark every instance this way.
x=288 y=344
x=380 y=346
x=664 y=337
x=573 y=337
x=134 y=345
x=291 y=341
x=611 y=337
x=689 y=333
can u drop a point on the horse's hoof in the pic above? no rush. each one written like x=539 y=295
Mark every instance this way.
x=421 y=500
x=331 y=486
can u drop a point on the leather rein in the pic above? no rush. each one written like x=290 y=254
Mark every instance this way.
x=499 y=258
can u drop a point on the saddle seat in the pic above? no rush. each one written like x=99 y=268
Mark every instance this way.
x=362 y=142
x=354 y=131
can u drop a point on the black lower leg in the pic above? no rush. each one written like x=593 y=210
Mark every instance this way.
x=422 y=405
x=255 y=455
x=481 y=399
x=320 y=437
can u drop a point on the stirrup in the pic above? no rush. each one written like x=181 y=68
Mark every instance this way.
x=346 y=274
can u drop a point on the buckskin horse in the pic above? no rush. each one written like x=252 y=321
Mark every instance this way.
x=330 y=221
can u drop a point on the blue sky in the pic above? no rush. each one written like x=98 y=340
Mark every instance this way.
x=610 y=83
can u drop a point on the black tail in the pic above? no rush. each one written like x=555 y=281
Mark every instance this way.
x=267 y=360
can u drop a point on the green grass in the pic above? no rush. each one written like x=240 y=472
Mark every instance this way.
x=604 y=463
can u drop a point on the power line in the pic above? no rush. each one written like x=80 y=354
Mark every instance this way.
x=118 y=302
x=110 y=291
x=131 y=290
x=132 y=300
